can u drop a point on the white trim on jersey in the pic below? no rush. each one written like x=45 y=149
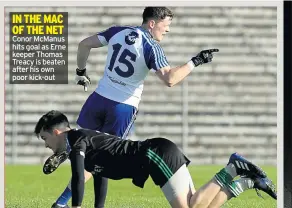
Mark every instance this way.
x=158 y=53
x=82 y=153
x=161 y=56
x=130 y=124
x=102 y=39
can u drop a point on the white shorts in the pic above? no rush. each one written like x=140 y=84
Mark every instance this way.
x=181 y=182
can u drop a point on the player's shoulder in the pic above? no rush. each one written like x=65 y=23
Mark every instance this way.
x=78 y=137
x=152 y=46
x=116 y=30
x=148 y=40
x=75 y=131
x=83 y=131
x=119 y=28
x=76 y=134
x=124 y=27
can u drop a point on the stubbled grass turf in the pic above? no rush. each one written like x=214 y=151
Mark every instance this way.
x=28 y=187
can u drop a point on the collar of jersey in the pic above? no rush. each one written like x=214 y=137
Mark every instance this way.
x=145 y=31
x=68 y=147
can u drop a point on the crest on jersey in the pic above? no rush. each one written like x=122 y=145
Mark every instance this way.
x=97 y=169
x=130 y=39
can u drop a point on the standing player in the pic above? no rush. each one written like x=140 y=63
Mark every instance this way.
x=108 y=156
x=132 y=53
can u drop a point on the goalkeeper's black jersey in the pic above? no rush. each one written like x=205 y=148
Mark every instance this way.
x=111 y=157
x=105 y=155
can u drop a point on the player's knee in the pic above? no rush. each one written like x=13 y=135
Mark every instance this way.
x=179 y=203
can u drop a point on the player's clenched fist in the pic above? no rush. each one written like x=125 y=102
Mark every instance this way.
x=204 y=56
x=82 y=78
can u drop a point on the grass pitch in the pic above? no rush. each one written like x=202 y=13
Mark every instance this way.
x=28 y=187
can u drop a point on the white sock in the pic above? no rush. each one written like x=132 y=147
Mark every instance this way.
x=69 y=185
x=240 y=185
x=231 y=170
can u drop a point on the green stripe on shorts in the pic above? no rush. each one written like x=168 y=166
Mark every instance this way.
x=160 y=163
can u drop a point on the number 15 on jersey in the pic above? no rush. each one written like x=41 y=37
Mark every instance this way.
x=126 y=58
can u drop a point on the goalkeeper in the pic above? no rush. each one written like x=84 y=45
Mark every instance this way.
x=110 y=157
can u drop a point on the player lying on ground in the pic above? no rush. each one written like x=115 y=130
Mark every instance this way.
x=110 y=157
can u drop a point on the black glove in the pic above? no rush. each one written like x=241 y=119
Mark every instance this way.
x=82 y=78
x=53 y=162
x=204 y=56
x=57 y=206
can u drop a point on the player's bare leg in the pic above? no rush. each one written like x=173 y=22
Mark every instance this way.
x=207 y=199
x=237 y=165
x=215 y=192
x=205 y=196
x=181 y=193
x=241 y=185
x=234 y=189
x=179 y=188
x=226 y=193
x=223 y=196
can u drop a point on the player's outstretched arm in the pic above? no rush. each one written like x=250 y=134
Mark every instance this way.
x=172 y=76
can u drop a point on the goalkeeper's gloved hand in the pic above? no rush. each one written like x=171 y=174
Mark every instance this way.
x=204 y=56
x=55 y=205
x=82 y=78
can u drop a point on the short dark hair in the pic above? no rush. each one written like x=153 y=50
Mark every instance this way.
x=159 y=13
x=49 y=120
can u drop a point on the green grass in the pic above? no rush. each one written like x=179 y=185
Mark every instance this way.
x=27 y=187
